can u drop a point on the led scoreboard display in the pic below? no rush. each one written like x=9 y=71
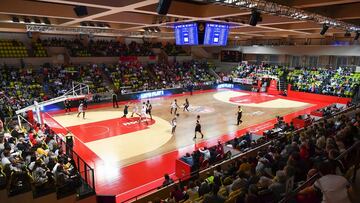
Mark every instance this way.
x=186 y=34
x=216 y=34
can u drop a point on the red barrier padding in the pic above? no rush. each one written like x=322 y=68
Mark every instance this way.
x=182 y=170
x=317 y=113
x=300 y=123
x=316 y=97
x=272 y=89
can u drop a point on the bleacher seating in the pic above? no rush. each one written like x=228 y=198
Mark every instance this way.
x=330 y=81
x=276 y=169
x=39 y=50
x=12 y=49
x=137 y=77
x=32 y=159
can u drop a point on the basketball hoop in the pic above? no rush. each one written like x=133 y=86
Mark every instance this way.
x=78 y=91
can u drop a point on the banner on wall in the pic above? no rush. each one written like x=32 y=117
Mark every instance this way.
x=246 y=81
x=226 y=79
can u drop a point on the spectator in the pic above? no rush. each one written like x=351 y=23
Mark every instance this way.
x=167 y=180
x=334 y=188
x=214 y=197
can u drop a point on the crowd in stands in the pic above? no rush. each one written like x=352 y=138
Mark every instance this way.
x=135 y=76
x=80 y=48
x=32 y=158
x=338 y=82
x=20 y=87
x=330 y=81
x=287 y=162
x=174 y=50
x=98 y=48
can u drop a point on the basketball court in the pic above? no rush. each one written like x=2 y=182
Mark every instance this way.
x=130 y=157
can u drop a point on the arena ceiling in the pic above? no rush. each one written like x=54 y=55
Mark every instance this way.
x=135 y=15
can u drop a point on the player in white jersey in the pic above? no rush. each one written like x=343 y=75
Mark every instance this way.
x=174 y=123
x=135 y=110
x=174 y=106
x=81 y=110
x=143 y=113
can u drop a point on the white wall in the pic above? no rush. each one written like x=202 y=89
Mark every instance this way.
x=179 y=59
x=17 y=36
x=315 y=50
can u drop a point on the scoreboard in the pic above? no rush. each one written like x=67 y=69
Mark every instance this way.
x=216 y=34
x=186 y=34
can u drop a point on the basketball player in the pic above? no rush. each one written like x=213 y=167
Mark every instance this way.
x=67 y=106
x=143 y=113
x=174 y=106
x=81 y=110
x=135 y=110
x=148 y=108
x=84 y=101
x=174 y=123
x=126 y=110
x=198 y=127
x=239 y=115
x=186 y=105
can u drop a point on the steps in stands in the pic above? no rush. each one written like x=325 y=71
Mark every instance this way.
x=283 y=81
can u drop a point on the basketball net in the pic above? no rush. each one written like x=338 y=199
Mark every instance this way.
x=77 y=92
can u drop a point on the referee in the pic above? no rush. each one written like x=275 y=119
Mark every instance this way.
x=239 y=115
x=114 y=100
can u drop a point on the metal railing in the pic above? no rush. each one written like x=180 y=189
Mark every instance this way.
x=84 y=169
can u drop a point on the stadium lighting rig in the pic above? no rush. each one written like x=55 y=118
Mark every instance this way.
x=287 y=11
x=91 y=31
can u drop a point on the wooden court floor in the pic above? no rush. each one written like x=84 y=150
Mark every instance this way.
x=124 y=141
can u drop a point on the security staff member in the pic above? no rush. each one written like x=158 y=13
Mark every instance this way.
x=69 y=143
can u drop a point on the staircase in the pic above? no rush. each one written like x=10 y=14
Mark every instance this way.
x=212 y=72
x=283 y=81
x=356 y=97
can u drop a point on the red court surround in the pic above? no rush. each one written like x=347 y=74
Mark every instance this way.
x=128 y=181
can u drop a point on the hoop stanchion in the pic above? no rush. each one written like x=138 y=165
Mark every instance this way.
x=30 y=116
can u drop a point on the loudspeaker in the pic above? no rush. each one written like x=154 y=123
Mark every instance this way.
x=254 y=18
x=105 y=199
x=324 y=29
x=80 y=11
x=163 y=7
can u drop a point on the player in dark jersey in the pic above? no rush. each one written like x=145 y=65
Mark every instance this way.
x=198 y=127
x=126 y=110
x=186 y=105
x=148 y=108
x=67 y=106
x=239 y=115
